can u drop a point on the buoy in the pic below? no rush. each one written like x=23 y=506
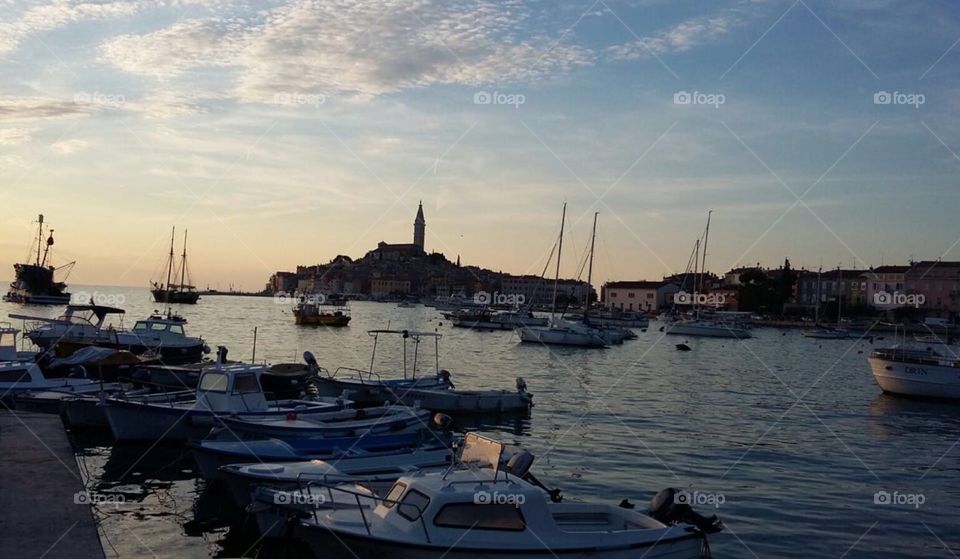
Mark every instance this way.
x=683 y=347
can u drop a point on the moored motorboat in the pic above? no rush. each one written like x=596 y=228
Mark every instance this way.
x=327 y=313
x=20 y=373
x=462 y=513
x=920 y=370
x=223 y=390
x=345 y=423
x=707 y=328
x=826 y=334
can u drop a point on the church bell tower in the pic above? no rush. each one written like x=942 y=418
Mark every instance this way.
x=419 y=228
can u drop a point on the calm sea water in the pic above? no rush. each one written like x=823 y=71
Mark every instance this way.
x=789 y=440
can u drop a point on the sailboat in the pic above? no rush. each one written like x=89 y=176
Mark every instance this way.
x=169 y=292
x=34 y=284
x=700 y=325
x=561 y=331
x=825 y=332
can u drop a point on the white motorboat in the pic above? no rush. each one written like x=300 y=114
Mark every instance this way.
x=922 y=370
x=489 y=319
x=462 y=513
x=85 y=325
x=707 y=328
x=19 y=373
x=84 y=410
x=379 y=472
x=233 y=390
x=345 y=423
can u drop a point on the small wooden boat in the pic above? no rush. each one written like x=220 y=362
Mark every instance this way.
x=334 y=314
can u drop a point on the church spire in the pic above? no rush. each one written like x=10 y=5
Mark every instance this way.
x=419 y=228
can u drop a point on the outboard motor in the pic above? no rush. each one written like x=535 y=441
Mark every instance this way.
x=221 y=354
x=444 y=376
x=521 y=385
x=519 y=465
x=666 y=508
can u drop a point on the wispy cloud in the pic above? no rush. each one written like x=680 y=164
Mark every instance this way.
x=681 y=37
x=69 y=147
x=14 y=136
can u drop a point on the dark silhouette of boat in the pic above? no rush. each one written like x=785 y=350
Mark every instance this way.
x=176 y=293
x=34 y=284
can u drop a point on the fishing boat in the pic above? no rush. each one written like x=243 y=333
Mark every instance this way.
x=163 y=336
x=34 y=284
x=917 y=369
x=489 y=319
x=86 y=410
x=377 y=471
x=181 y=293
x=223 y=390
x=702 y=324
x=312 y=313
x=492 y=513
x=567 y=332
x=822 y=332
x=433 y=392
x=369 y=387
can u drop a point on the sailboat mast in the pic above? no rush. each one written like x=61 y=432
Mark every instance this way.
x=839 y=295
x=816 y=308
x=556 y=278
x=39 y=238
x=593 y=240
x=706 y=238
x=696 y=278
x=183 y=263
x=173 y=233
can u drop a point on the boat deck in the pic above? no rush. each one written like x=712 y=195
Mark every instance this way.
x=38 y=512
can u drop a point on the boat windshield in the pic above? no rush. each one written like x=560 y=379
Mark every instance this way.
x=481 y=516
x=216 y=382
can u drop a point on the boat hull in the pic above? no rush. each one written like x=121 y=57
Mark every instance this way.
x=32 y=299
x=916 y=379
x=322 y=320
x=175 y=297
x=681 y=329
x=191 y=353
x=561 y=337
x=323 y=541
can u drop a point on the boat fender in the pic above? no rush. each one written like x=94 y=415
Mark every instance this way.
x=668 y=508
x=291 y=416
x=443 y=421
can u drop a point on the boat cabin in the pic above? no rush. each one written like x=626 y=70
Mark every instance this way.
x=160 y=327
x=8 y=343
x=232 y=388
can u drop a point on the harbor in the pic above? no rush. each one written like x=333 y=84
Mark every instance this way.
x=622 y=423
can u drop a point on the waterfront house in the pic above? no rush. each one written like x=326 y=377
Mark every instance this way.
x=938 y=283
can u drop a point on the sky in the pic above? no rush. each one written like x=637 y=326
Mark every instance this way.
x=282 y=133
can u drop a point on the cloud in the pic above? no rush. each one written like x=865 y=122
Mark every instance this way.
x=14 y=136
x=59 y=13
x=69 y=147
x=28 y=108
x=680 y=38
x=354 y=48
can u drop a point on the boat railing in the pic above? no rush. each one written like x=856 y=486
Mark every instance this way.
x=329 y=489
x=359 y=373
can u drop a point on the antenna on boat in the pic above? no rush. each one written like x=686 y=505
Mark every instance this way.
x=254 y=358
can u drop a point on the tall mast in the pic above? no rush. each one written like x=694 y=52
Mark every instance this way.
x=593 y=239
x=183 y=263
x=706 y=238
x=696 y=278
x=556 y=280
x=39 y=238
x=839 y=294
x=173 y=232
x=816 y=308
